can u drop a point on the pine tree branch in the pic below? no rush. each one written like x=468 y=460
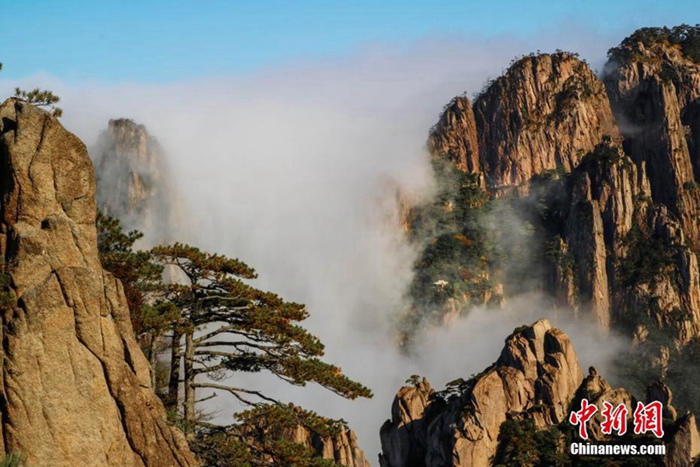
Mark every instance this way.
x=236 y=392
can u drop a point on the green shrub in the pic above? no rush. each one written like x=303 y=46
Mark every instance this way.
x=647 y=257
x=521 y=443
x=685 y=36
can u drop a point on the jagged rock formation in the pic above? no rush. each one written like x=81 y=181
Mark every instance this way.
x=455 y=135
x=684 y=447
x=604 y=190
x=604 y=176
x=681 y=439
x=75 y=385
x=516 y=116
x=611 y=167
x=403 y=436
x=549 y=115
x=654 y=90
x=341 y=448
x=537 y=378
x=133 y=181
x=659 y=391
x=536 y=375
x=545 y=113
x=597 y=390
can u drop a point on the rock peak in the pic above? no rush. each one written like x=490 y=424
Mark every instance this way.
x=134 y=181
x=544 y=113
x=76 y=385
x=536 y=376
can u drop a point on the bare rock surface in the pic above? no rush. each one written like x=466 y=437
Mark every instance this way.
x=75 y=385
x=615 y=164
x=545 y=113
x=536 y=375
x=655 y=97
x=134 y=181
x=342 y=448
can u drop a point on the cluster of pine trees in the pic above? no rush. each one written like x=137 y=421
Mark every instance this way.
x=196 y=311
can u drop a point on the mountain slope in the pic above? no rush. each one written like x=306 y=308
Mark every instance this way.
x=75 y=385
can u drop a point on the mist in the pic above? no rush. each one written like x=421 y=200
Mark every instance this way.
x=294 y=169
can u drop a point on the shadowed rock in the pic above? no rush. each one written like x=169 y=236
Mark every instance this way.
x=536 y=376
x=76 y=387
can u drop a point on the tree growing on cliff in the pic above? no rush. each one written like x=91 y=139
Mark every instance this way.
x=41 y=98
x=685 y=37
x=141 y=277
x=227 y=326
x=221 y=325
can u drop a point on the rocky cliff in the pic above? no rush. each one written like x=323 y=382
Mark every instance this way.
x=536 y=375
x=654 y=88
x=134 y=181
x=545 y=113
x=546 y=124
x=341 y=448
x=583 y=189
x=75 y=385
x=602 y=177
x=535 y=383
x=455 y=136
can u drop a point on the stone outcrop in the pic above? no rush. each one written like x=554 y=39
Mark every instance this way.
x=684 y=447
x=133 y=181
x=545 y=113
x=455 y=136
x=403 y=436
x=613 y=165
x=606 y=172
x=536 y=376
x=603 y=194
x=596 y=390
x=547 y=116
x=75 y=385
x=681 y=437
x=341 y=448
x=655 y=94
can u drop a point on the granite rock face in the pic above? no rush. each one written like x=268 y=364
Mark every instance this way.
x=603 y=173
x=545 y=113
x=596 y=390
x=613 y=163
x=134 y=181
x=537 y=376
x=684 y=447
x=75 y=385
x=655 y=94
x=403 y=436
x=455 y=135
x=341 y=448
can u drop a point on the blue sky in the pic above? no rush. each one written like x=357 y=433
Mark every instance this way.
x=165 y=41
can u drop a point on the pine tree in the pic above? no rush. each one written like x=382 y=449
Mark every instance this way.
x=227 y=326
x=151 y=315
x=219 y=325
x=41 y=98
